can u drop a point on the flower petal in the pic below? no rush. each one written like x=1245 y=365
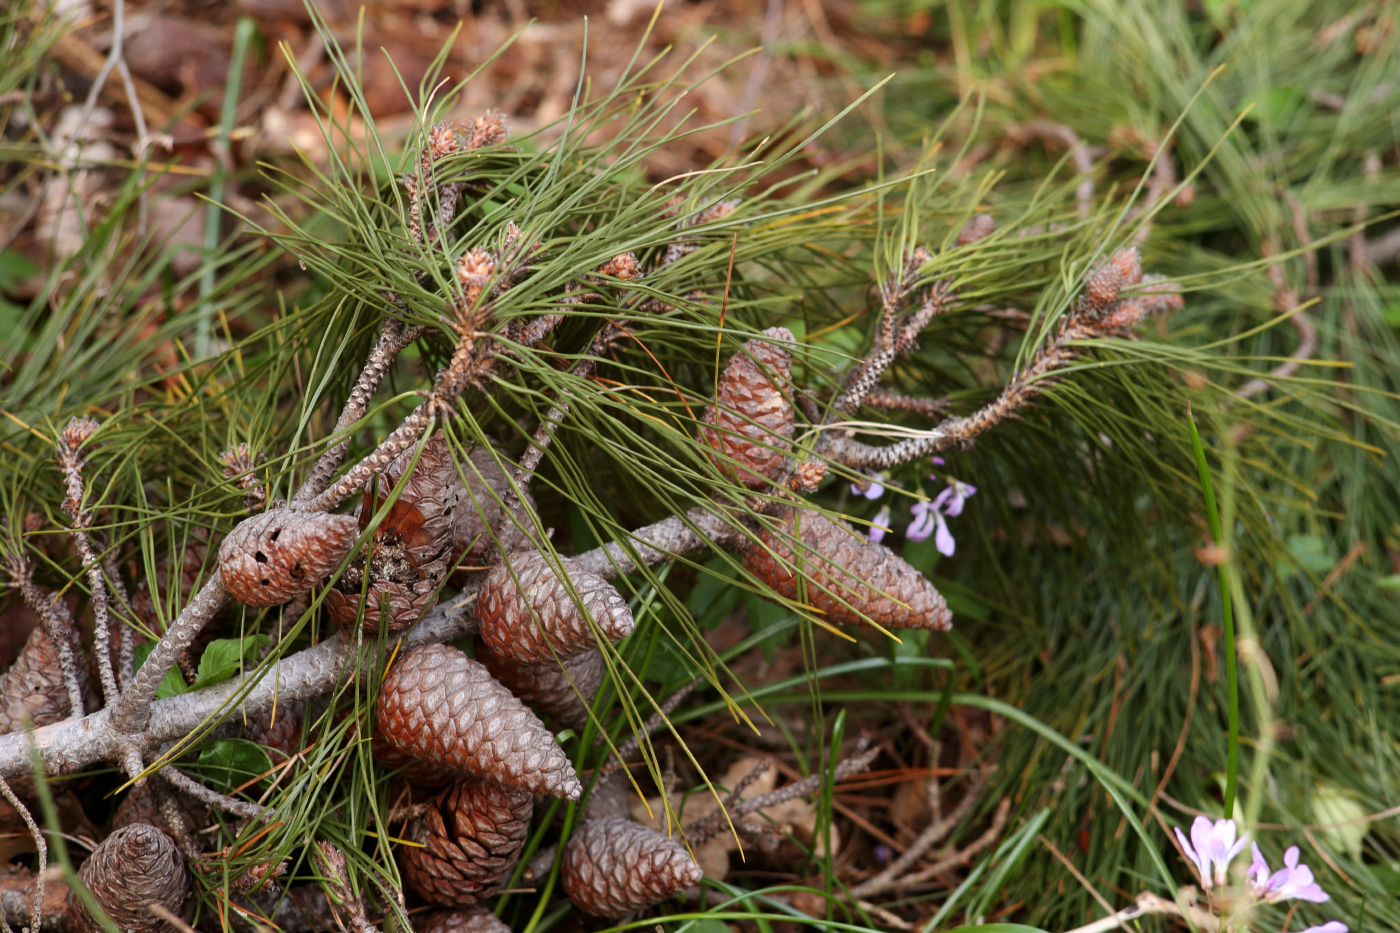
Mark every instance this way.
x=1190 y=852
x=943 y=538
x=1331 y=926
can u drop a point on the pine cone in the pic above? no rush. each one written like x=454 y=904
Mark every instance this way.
x=423 y=773
x=471 y=920
x=281 y=554
x=32 y=690
x=549 y=688
x=411 y=550
x=481 y=513
x=136 y=866
x=141 y=807
x=469 y=842
x=528 y=615
x=282 y=735
x=849 y=579
x=441 y=707
x=752 y=420
x=612 y=867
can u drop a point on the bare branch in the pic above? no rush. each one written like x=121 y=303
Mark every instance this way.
x=186 y=784
x=40 y=845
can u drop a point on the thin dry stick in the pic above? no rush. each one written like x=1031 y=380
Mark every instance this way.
x=183 y=782
x=965 y=855
x=115 y=59
x=332 y=861
x=126 y=641
x=40 y=845
x=1057 y=134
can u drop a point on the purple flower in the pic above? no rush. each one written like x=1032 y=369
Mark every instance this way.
x=873 y=489
x=1331 y=926
x=1212 y=847
x=880 y=525
x=931 y=518
x=1293 y=881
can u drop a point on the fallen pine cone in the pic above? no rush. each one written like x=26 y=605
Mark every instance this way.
x=750 y=424
x=563 y=691
x=408 y=558
x=482 y=511
x=282 y=735
x=281 y=554
x=528 y=614
x=443 y=708
x=849 y=579
x=135 y=867
x=470 y=920
x=612 y=867
x=32 y=690
x=141 y=807
x=469 y=842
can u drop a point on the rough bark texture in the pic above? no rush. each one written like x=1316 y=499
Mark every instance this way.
x=469 y=840
x=750 y=424
x=612 y=867
x=281 y=554
x=529 y=613
x=849 y=579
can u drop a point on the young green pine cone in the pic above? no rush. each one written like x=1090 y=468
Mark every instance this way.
x=409 y=556
x=470 y=920
x=441 y=707
x=32 y=690
x=281 y=554
x=468 y=842
x=561 y=691
x=482 y=511
x=136 y=866
x=612 y=867
x=529 y=615
x=750 y=424
x=848 y=579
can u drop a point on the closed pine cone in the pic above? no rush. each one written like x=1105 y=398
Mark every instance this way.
x=561 y=691
x=612 y=867
x=413 y=770
x=528 y=614
x=488 y=488
x=850 y=580
x=136 y=866
x=471 y=920
x=750 y=425
x=281 y=554
x=32 y=690
x=442 y=707
x=411 y=551
x=470 y=840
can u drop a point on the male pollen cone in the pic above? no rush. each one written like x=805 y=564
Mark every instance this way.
x=528 y=613
x=612 y=867
x=750 y=424
x=563 y=690
x=849 y=579
x=469 y=841
x=442 y=707
x=281 y=554
x=471 y=920
x=136 y=866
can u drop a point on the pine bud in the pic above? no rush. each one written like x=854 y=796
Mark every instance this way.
x=471 y=920
x=488 y=129
x=444 y=139
x=623 y=266
x=281 y=554
x=612 y=867
x=133 y=868
x=442 y=707
x=848 y=578
x=482 y=513
x=529 y=614
x=468 y=842
x=563 y=692
x=751 y=422
x=32 y=690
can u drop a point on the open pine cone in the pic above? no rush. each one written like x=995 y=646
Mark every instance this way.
x=469 y=842
x=136 y=866
x=848 y=578
x=528 y=614
x=750 y=425
x=281 y=554
x=441 y=707
x=612 y=867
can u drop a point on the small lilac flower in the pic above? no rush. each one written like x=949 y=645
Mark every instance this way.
x=883 y=854
x=931 y=518
x=1212 y=848
x=1331 y=926
x=1293 y=881
x=874 y=490
x=939 y=461
x=880 y=525
x=951 y=500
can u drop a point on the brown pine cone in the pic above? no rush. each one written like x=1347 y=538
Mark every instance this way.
x=752 y=421
x=32 y=690
x=136 y=866
x=423 y=773
x=528 y=615
x=471 y=920
x=488 y=488
x=469 y=842
x=612 y=867
x=442 y=707
x=549 y=688
x=141 y=807
x=850 y=580
x=411 y=550
x=283 y=735
x=281 y=554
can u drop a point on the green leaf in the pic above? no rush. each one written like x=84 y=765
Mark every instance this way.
x=225 y=656
x=230 y=763
x=763 y=615
x=1312 y=553
x=174 y=682
x=715 y=594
